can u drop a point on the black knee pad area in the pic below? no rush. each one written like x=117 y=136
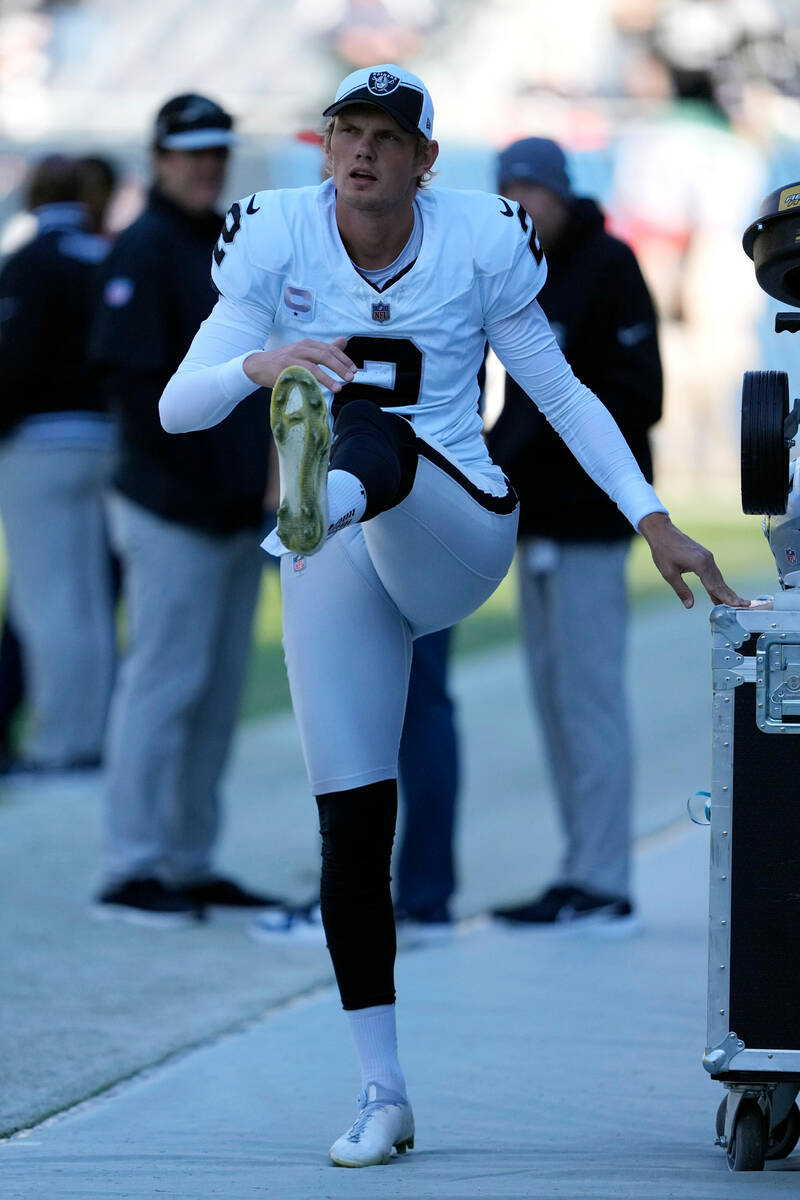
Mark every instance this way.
x=357 y=829
x=379 y=448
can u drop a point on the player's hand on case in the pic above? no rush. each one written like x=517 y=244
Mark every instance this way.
x=265 y=366
x=674 y=553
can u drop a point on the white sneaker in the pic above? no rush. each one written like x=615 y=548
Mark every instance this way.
x=300 y=924
x=385 y=1122
x=302 y=433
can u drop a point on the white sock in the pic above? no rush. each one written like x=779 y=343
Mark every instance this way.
x=347 y=500
x=375 y=1035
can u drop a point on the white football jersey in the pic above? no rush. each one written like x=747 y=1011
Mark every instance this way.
x=418 y=343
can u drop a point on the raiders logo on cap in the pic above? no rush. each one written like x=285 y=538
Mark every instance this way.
x=382 y=83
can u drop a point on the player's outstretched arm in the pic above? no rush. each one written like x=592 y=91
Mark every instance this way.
x=264 y=366
x=674 y=553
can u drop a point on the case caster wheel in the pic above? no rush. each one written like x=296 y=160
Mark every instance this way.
x=720 y=1122
x=784 y=1136
x=764 y=446
x=747 y=1150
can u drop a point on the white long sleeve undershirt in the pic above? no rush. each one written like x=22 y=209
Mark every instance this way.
x=211 y=381
x=527 y=348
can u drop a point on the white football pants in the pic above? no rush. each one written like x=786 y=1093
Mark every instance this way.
x=351 y=611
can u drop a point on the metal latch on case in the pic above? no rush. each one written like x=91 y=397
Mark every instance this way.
x=777 y=684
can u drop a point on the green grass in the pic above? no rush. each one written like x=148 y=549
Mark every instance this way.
x=737 y=542
x=267 y=688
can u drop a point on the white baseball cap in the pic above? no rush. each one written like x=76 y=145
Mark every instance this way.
x=389 y=87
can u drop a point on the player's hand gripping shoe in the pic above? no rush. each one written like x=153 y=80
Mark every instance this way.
x=301 y=429
x=385 y=1122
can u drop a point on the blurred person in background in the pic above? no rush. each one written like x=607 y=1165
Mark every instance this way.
x=12 y=692
x=56 y=447
x=428 y=766
x=98 y=183
x=574 y=542
x=185 y=514
x=691 y=126
x=368 y=31
x=98 y=179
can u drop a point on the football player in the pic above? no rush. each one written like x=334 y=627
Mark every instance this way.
x=366 y=303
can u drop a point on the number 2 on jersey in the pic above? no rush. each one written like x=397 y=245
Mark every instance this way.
x=534 y=245
x=393 y=372
x=229 y=232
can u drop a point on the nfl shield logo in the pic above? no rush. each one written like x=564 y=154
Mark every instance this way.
x=380 y=312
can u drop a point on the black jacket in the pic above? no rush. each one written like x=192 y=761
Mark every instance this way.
x=45 y=318
x=156 y=290
x=603 y=317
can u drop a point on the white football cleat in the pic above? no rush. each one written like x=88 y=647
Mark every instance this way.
x=301 y=429
x=385 y=1123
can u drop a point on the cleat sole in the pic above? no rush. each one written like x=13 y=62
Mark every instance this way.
x=301 y=430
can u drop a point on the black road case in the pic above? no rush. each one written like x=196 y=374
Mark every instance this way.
x=753 y=1045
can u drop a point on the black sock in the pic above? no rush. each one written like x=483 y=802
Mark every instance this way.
x=379 y=448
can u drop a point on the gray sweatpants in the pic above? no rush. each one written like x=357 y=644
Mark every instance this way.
x=60 y=596
x=574 y=614
x=190 y=600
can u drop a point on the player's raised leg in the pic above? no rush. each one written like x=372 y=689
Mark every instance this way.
x=430 y=514
x=372 y=464
x=442 y=551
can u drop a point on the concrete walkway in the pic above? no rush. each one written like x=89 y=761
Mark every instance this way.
x=538 y=1065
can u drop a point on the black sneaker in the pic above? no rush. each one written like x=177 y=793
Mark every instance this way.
x=29 y=770
x=227 y=894
x=564 y=907
x=146 y=902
